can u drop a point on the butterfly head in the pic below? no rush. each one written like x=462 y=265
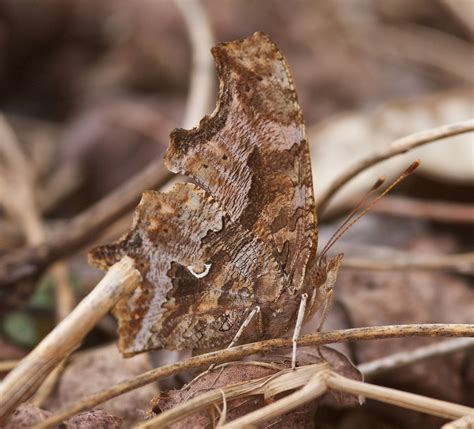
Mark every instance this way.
x=329 y=268
x=322 y=277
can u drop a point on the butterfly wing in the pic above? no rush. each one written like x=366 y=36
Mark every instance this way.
x=209 y=254
x=252 y=156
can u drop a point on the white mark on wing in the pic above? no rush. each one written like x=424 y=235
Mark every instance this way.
x=199 y=271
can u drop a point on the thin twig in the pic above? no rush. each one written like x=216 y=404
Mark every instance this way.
x=120 y=280
x=201 y=84
x=236 y=353
x=440 y=211
x=398 y=147
x=398 y=360
x=81 y=229
x=64 y=296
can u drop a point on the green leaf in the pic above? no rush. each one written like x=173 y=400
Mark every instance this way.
x=21 y=329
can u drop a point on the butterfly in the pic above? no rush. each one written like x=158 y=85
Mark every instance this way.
x=243 y=234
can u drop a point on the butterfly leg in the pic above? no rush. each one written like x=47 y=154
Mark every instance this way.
x=248 y=319
x=246 y=322
x=298 y=325
x=324 y=316
x=325 y=312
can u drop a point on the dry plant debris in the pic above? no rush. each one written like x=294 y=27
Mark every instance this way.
x=238 y=352
x=258 y=383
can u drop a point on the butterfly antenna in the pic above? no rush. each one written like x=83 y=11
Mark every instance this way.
x=354 y=211
x=338 y=234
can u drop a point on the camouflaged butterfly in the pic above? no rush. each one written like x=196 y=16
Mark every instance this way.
x=244 y=235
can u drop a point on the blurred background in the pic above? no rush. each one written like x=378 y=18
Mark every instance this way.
x=105 y=82
x=90 y=90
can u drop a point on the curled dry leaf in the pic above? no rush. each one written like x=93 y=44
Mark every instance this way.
x=339 y=142
x=272 y=388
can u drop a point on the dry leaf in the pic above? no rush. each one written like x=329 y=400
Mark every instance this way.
x=26 y=416
x=93 y=419
x=97 y=369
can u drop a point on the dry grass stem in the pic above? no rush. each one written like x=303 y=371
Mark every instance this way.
x=20 y=383
x=466 y=422
x=407 y=400
x=325 y=379
x=236 y=353
x=410 y=357
x=314 y=388
x=48 y=385
x=398 y=147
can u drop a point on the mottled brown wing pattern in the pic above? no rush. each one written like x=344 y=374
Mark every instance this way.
x=251 y=154
x=244 y=236
x=200 y=270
